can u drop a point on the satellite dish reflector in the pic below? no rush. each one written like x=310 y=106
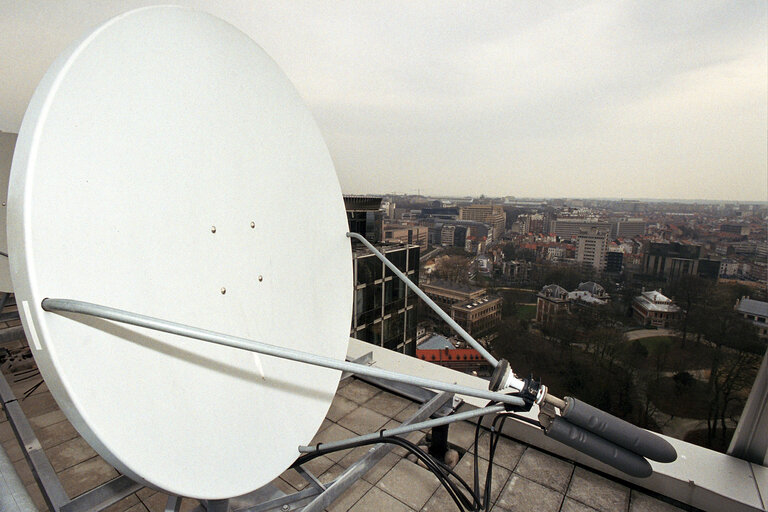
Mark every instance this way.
x=167 y=166
x=7 y=143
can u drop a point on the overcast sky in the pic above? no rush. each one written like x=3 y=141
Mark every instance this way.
x=546 y=99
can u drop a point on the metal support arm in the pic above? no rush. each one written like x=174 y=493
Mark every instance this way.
x=157 y=324
x=390 y=432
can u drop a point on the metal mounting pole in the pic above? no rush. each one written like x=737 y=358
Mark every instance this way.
x=423 y=296
x=157 y=324
x=390 y=432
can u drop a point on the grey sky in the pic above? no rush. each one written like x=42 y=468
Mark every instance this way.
x=578 y=99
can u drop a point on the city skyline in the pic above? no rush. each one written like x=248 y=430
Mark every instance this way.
x=581 y=100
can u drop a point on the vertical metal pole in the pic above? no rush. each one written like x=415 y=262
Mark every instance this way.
x=173 y=504
x=439 y=445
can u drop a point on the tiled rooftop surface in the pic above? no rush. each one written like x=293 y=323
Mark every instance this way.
x=524 y=478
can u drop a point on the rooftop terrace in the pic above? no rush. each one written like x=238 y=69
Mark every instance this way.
x=531 y=473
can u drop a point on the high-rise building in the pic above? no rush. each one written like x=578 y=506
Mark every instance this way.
x=384 y=311
x=365 y=216
x=493 y=215
x=591 y=248
x=447 y=235
x=614 y=261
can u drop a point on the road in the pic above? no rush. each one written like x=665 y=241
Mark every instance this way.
x=648 y=333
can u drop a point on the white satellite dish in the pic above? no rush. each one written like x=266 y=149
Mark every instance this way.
x=7 y=143
x=166 y=166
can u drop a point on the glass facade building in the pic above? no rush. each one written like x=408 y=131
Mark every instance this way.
x=384 y=310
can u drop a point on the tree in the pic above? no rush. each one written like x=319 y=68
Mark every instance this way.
x=736 y=354
x=689 y=292
x=452 y=268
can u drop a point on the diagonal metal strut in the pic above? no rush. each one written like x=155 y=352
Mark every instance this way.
x=157 y=324
x=423 y=296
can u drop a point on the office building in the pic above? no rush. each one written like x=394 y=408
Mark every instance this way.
x=569 y=228
x=671 y=260
x=395 y=233
x=384 y=309
x=492 y=215
x=591 y=247
x=478 y=316
x=365 y=216
x=627 y=228
x=447 y=293
x=614 y=262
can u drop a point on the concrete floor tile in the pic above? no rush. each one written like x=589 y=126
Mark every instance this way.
x=406 y=413
x=156 y=502
x=545 y=469
x=6 y=431
x=316 y=466
x=523 y=495
x=283 y=485
x=47 y=419
x=351 y=496
x=124 y=504
x=441 y=500
x=324 y=425
x=409 y=483
x=358 y=391
x=331 y=474
x=24 y=472
x=363 y=421
x=86 y=475
x=139 y=507
x=13 y=450
x=508 y=452
x=388 y=404
x=69 y=453
x=640 y=502
x=56 y=434
x=340 y=407
x=570 y=505
x=376 y=500
x=598 y=492
x=465 y=469
x=381 y=468
x=38 y=404
x=37 y=497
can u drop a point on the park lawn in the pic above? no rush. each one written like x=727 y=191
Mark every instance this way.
x=654 y=343
x=526 y=312
x=674 y=356
x=690 y=401
x=518 y=296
